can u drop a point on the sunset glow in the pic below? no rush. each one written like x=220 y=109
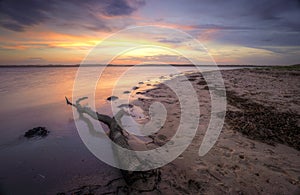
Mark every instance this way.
x=63 y=33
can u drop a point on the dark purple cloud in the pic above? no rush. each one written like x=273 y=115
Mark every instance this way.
x=222 y=27
x=17 y=15
x=235 y=14
x=121 y=7
x=13 y=26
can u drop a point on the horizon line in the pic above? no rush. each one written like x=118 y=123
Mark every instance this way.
x=129 y=65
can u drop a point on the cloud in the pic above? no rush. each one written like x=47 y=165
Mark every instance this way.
x=122 y=7
x=259 y=38
x=13 y=26
x=18 y=15
x=229 y=14
x=249 y=23
x=221 y=27
x=155 y=59
x=281 y=50
x=36 y=59
x=15 y=15
x=175 y=40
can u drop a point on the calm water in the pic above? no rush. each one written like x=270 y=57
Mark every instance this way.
x=35 y=97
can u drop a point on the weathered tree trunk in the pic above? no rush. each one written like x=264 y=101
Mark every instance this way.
x=116 y=134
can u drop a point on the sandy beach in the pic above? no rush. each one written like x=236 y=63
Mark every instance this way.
x=257 y=151
x=245 y=160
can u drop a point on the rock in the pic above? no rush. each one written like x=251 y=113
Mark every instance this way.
x=37 y=131
x=206 y=88
x=112 y=98
x=126 y=92
x=140 y=92
x=241 y=156
x=194 y=76
x=141 y=82
x=162 y=137
x=135 y=88
x=125 y=106
x=195 y=185
x=202 y=82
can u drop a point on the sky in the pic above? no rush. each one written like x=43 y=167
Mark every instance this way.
x=231 y=32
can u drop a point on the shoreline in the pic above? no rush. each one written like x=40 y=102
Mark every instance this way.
x=238 y=163
x=268 y=145
x=129 y=65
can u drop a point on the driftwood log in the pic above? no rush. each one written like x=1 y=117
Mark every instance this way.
x=140 y=181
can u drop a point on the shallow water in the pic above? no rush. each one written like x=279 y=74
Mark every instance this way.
x=33 y=97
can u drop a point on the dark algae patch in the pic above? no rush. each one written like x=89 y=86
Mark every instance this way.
x=36 y=132
x=263 y=123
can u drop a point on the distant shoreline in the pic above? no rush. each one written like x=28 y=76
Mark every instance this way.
x=113 y=65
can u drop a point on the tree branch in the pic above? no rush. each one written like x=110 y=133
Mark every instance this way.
x=116 y=134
